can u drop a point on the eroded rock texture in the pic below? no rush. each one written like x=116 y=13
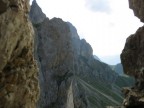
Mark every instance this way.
x=55 y=55
x=18 y=70
x=133 y=60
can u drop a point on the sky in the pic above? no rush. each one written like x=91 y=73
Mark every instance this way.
x=105 y=24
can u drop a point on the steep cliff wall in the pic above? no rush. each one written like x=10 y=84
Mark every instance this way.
x=18 y=70
x=133 y=60
x=56 y=58
x=66 y=63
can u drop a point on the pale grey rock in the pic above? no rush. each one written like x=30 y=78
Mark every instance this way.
x=36 y=14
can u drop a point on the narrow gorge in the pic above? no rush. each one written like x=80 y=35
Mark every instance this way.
x=70 y=76
x=45 y=64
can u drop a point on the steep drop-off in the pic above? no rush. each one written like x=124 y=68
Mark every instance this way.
x=19 y=86
x=70 y=76
x=133 y=60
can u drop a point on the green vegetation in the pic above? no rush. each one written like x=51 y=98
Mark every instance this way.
x=102 y=83
x=100 y=94
x=123 y=81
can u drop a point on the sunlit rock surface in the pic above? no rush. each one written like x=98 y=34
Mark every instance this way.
x=133 y=60
x=18 y=70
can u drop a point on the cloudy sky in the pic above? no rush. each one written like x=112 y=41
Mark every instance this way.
x=105 y=24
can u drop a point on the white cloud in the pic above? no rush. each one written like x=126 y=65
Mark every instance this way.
x=98 y=5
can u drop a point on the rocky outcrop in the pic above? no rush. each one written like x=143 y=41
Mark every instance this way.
x=138 y=8
x=18 y=70
x=55 y=56
x=133 y=60
x=36 y=14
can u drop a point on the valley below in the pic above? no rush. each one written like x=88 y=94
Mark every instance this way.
x=45 y=64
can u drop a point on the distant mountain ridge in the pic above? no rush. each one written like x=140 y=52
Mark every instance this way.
x=118 y=68
x=70 y=76
x=111 y=60
x=122 y=80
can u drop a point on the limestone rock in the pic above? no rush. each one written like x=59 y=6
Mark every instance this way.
x=132 y=55
x=138 y=8
x=85 y=49
x=133 y=60
x=70 y=99
x=36 y=14
x=64 y=57
x=19 y=86
x=54 y=53
x=55 y=44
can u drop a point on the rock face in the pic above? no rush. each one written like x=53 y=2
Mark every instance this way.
x=36 y=15
x=133 y=60
x=118 y=69
x=66 y=63
x=19 y=86
x=55 y=56
x=138 y=8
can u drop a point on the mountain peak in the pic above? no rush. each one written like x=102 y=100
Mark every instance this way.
x=36 y=14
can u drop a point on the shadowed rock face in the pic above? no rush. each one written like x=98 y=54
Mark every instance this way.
x=55 y=56
x=138 y=8
x=132 y=55
x=133 y=60
x=18 y=70
x=65 y=59
x=3 y=7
